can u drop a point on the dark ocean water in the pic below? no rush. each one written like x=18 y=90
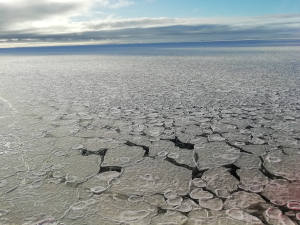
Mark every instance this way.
x=147 y=49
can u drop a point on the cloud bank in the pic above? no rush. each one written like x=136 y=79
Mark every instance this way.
x=53 y=22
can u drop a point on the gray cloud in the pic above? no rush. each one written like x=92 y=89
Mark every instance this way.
x=11 y=14
x=190 y=33
x=23 y=15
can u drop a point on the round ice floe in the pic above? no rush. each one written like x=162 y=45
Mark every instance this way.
x=200 y=194
x=72 y=180
x=198 y=182
x=154 y=131
x=252 y=180
x=151 y=176
x=220 y=181
x=173 y=155
x=273 y=213
x=294 y=205
x=285 y=220
x=135 y=198
x=156 y=200
x=98 y=189
x=170 y=194
x=79 y=205
x=162 y=154
x=108 y=176
x=281 y=192
x=258 y=141
x=215 y=204
x=282 y=165
x=248 y=161
x=186 y=206
x=273 y=158
x=175 y=201
x=239 y=214
x=243 y=200
x=214 y=154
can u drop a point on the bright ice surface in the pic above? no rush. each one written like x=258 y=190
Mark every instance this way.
x=167 y=136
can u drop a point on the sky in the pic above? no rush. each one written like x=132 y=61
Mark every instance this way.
x=79 y=22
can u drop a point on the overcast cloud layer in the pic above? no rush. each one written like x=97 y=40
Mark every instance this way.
x=51 y=22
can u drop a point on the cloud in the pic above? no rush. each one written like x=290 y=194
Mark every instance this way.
x=18 y=11
x=29 y=22
x=174 y=33
x=29 y=14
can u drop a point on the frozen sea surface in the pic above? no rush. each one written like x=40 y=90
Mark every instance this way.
x=173 y=136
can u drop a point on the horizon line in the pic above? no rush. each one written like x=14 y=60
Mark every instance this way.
x=161 y=44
